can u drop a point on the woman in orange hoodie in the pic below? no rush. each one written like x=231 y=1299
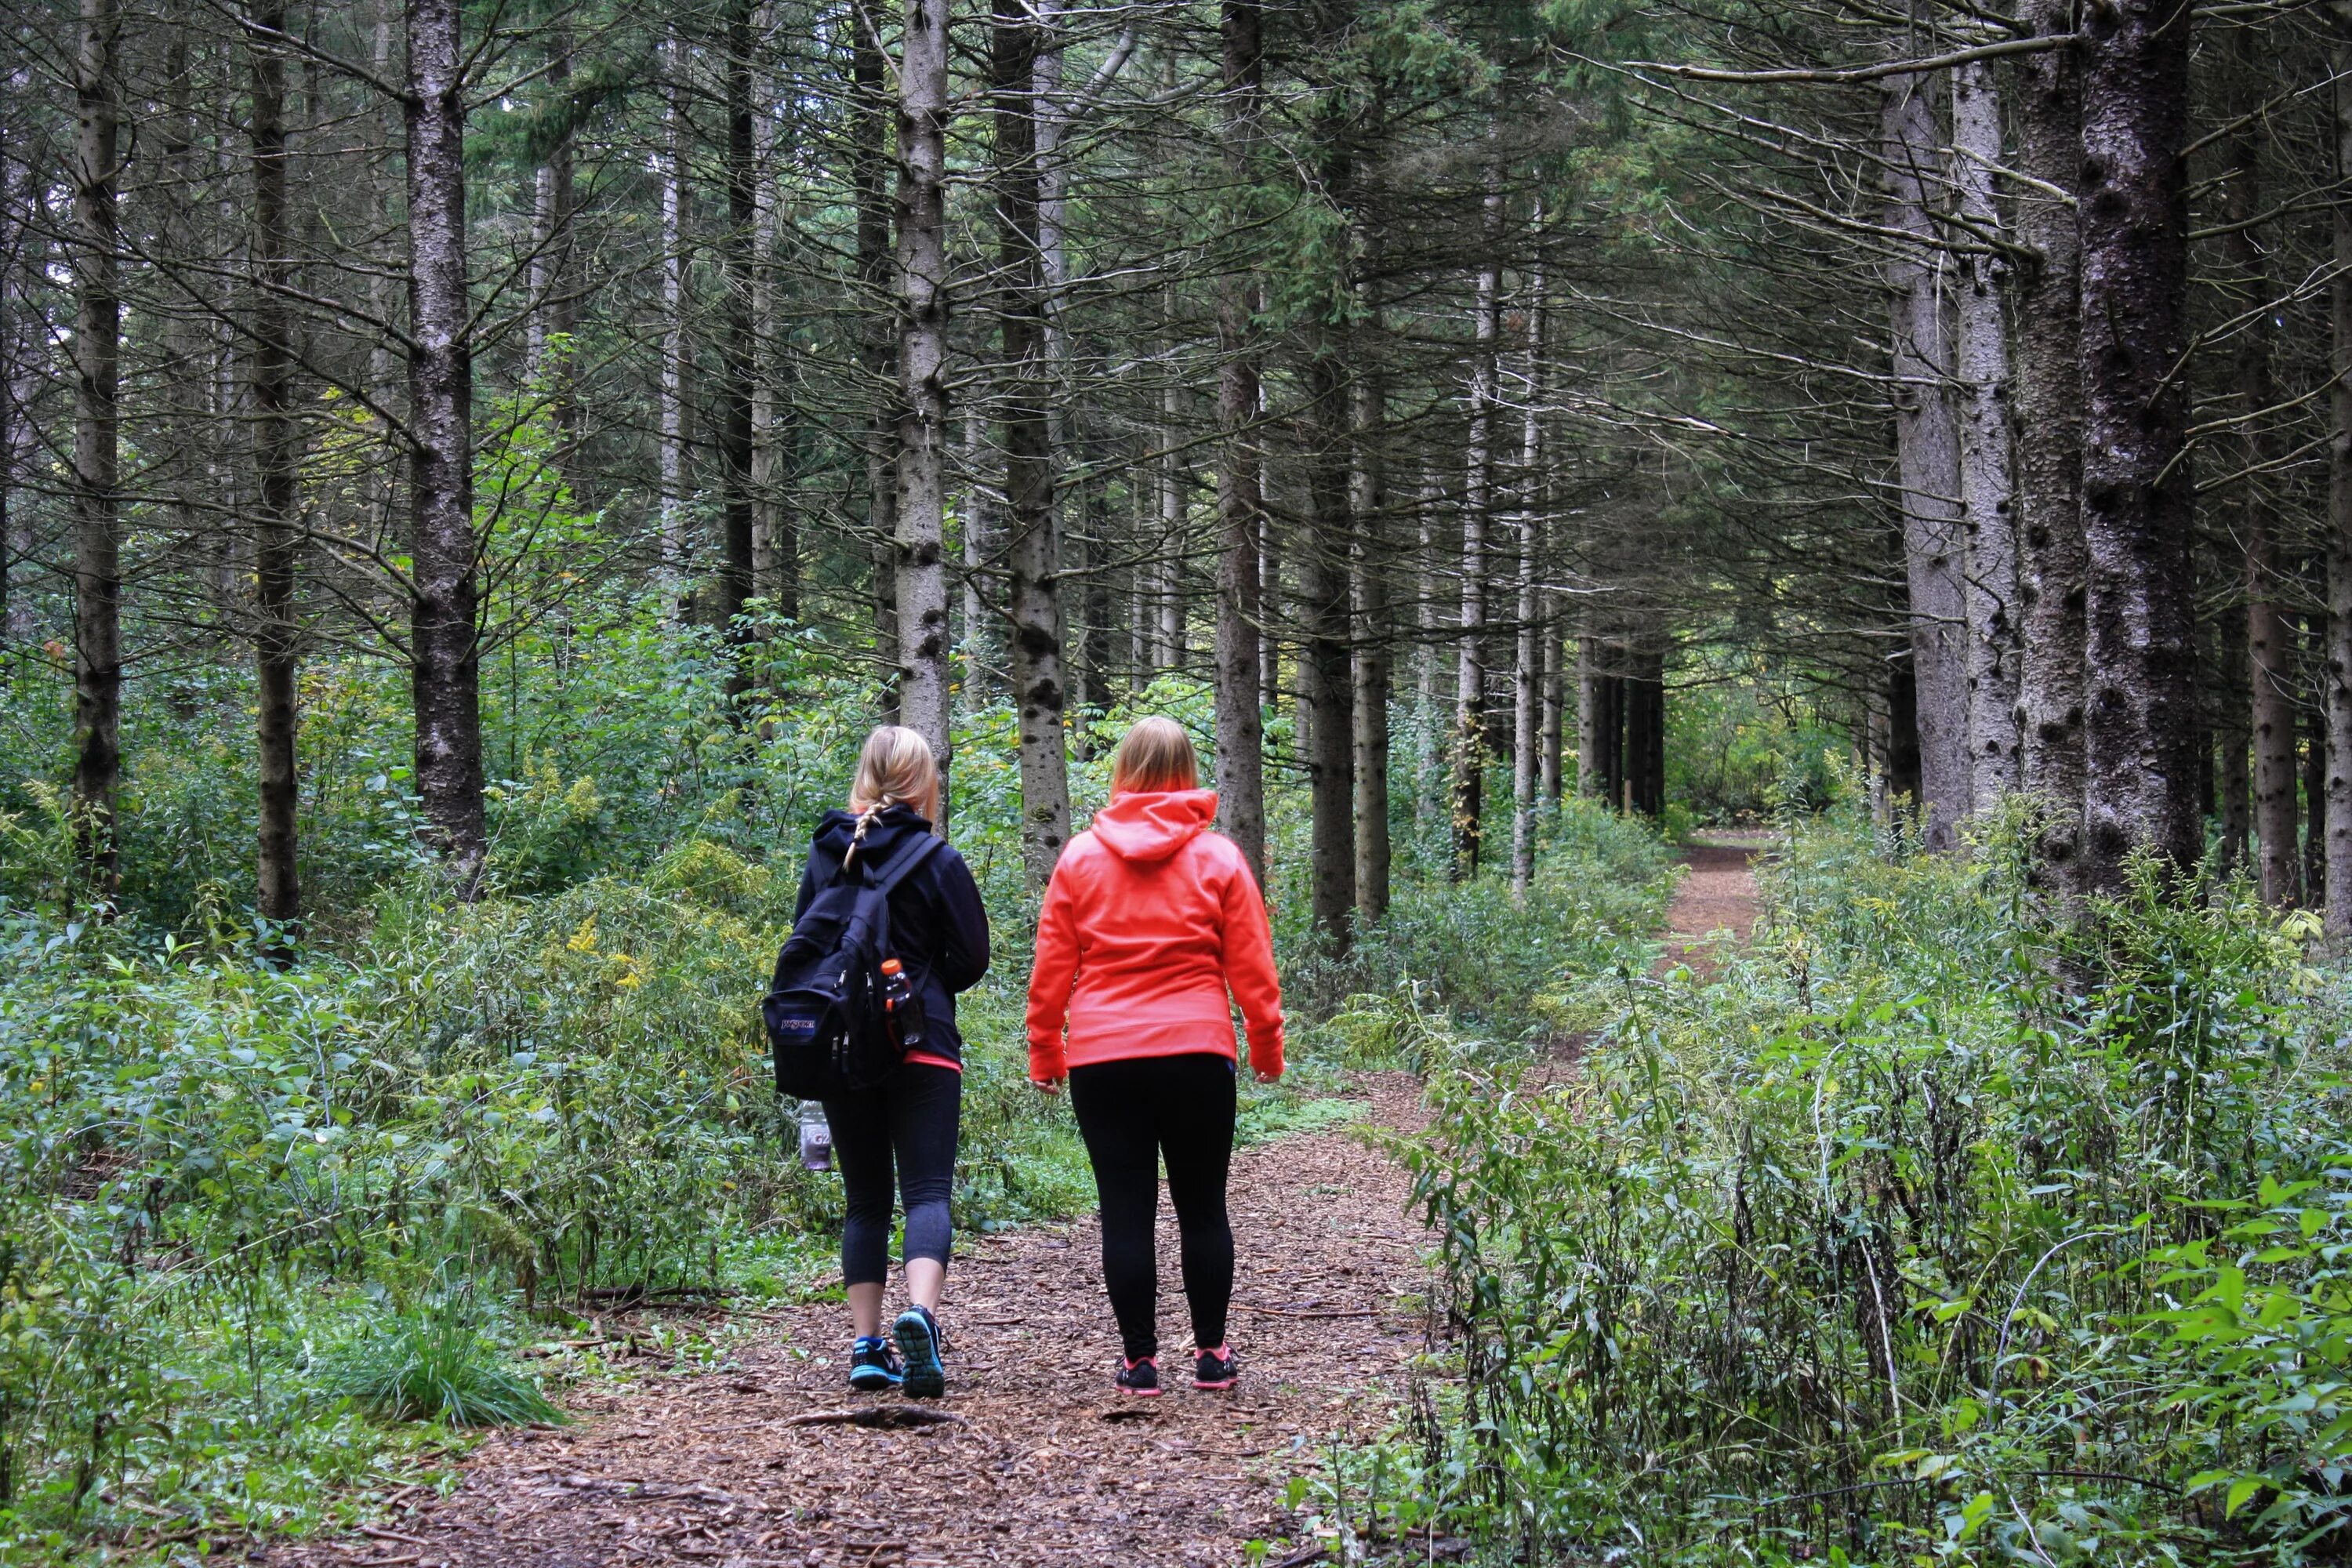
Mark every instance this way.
x=1150 y=921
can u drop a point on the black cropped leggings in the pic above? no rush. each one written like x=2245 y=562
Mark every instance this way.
x=1133 y=1113
x=913 y=1114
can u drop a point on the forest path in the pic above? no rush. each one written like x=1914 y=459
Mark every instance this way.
x=1715 y=896
x=1043 y=1463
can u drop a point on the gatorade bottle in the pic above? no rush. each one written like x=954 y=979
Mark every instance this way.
x=906 y=1009
x=816 y=1138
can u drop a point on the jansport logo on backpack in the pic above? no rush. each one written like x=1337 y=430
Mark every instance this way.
x=827 y=1025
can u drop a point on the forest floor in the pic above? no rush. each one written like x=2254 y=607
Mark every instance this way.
x=761 y=1462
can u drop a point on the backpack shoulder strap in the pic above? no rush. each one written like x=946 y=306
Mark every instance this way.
x=914 y=854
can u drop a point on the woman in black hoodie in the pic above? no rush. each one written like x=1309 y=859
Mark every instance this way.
x=939 y=931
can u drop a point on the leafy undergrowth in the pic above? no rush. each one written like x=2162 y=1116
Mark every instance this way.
x=1894 y=1247
x=272 y=1241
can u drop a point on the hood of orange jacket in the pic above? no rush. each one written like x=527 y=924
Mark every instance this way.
x=1147 y=825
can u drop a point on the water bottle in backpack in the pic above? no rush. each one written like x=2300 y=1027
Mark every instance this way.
x=905 y=1008
x=816 y=1136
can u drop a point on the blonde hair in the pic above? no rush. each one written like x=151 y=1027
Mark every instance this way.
x=895 y=768
x=1156 y=754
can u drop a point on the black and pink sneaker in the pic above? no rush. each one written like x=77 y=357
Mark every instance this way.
x=1140 y=1377
x=1215 y=1369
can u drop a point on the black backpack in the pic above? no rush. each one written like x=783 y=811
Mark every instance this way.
x=826 y=1023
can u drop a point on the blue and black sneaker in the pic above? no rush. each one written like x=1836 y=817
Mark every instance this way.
x=874 y=1365
x=919 y=1342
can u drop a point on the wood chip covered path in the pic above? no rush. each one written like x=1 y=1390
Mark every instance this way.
x=1043 y=1465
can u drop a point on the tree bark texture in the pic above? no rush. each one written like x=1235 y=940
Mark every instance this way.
x=1987 y=490
x=738 y=349
x=1927 y=458
x=1033 y=518
x=277 y=459
x=677 y=553
x=2140 y=781
x=2338 y=693
x=97 y=541
x=1323 y=595
x=1374 y=671
x=445 y=674
x=2234 y=733
x=2053 y=567
x=2270 y=635
x=922 y=211
x=1527 y=670
x=1241 y=497
x=1478 y=492
x=869 y=173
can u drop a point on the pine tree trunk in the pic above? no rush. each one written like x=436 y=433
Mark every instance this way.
x=1527 y=666
x=445 y=670
x=1373 y=669
x=2053 y=568
x=1988 y=488
x=1555 y=703
x=869 y=170
x=676 y=557
x=1241 y=498
x=98 y=542
x=922 y=374
x=1032 y=519
x=1329 y=694
x=2314 y=865
x=737 y=350
x=1590 y=711
x=277 y=451
x=775 y=532
x=2234 y=705
x=19 y=322
x=2140 y=775
x=2269 y=637
x=2337 y=685
x=1477 y=492
x=1927 y=459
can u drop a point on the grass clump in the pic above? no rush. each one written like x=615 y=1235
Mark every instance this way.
x=432 y=1364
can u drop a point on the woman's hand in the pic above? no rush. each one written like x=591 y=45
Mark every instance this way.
x=1046 y=1085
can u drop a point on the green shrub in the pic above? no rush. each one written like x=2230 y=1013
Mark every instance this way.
x=1893 y=1246
x=434 y=1365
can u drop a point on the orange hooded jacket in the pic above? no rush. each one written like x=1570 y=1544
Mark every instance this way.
x=1149 y=920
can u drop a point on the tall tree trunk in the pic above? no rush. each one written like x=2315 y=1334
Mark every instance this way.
x=1988 y=487
x=1526 y=670
x=2052 y=566
x=1241 y=498
x=2270 y=635
x=676 y=556
x=444 y=656
x=278 y=450
x=1329 y=691
x=1368 y=501
x=922 y=374
x=1590 y=710
x=1470 y=675
x=738 y=349
x=775 y=531
x=1031 y=518
x=1174 y=511
x=2140 y=786
x=1550 y=779
x=97 y=547
x=1928 y=458
x=2314 y=789
x=869 y=173
x=16 y=265
x=2336 y=685
x=2231 y=710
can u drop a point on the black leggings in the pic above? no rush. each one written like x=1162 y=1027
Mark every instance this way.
x=1131 y=1114
x=914 y=1113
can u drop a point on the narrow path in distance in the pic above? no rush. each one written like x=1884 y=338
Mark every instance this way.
x=1718 y=895
x=1042 y=1463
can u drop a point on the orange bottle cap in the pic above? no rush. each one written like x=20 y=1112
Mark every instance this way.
x=891 y=966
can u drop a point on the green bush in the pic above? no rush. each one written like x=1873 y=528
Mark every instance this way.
x=1892 y=1246
x=435 y=1364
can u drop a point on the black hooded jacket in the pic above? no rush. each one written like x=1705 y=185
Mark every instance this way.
x=938 y=927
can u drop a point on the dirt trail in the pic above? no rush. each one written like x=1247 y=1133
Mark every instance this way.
x=1044 y=1465
x=1717 y=896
